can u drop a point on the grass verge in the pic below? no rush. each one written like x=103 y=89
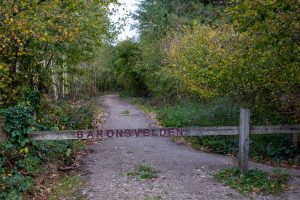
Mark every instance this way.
x=254 y=181
x=68 y=188
x=143 y=172
x=125 y=112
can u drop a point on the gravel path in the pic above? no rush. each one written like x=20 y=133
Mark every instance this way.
x=183 y=173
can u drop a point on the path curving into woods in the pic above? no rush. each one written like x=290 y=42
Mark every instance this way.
x=184 y=173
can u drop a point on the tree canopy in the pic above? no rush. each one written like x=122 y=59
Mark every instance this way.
x=37 y=36
x=246 y=50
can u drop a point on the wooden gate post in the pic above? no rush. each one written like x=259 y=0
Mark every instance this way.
x=244 y=130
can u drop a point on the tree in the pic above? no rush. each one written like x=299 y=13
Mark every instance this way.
x=38 y=35
x=128 y=74
x=262 y=62
x=159 y=21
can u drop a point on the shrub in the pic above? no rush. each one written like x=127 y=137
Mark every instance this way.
x=21 y=160
x=18 y=120
x=64 y=117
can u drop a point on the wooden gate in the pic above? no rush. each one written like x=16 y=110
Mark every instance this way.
x=243 y=130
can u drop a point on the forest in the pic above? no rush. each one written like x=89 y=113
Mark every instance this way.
x=194 y=63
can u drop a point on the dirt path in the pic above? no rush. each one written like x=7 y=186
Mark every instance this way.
x=183 y=173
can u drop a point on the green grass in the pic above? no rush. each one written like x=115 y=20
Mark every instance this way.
x=188 y=113
x=193 y=114
x=125 y=112
x=68 y=188
x=143 y=172
x=143 y=104
x=152 y=198
x=275 y=149
x=254 y=181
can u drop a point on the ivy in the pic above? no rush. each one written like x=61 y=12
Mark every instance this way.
x=32 y=98
x=18 y=120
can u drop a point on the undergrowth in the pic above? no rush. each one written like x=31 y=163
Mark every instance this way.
x=253 y=181
x=276 y=149
x=22 y=160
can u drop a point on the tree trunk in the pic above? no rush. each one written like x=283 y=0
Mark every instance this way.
x=54 y=87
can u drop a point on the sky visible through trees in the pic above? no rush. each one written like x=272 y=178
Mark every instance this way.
x=125 y=10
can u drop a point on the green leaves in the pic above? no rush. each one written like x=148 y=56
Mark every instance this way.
x=254 y=181
x=253 y=58
x=260 y=66
x=129 y=74
x=18 y=120
x=38 y=36
x=195 y=57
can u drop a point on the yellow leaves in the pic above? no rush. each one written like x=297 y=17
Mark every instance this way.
x=173 y=65
x=49 y=5
x=211 y=34
x=15 y=9
x=26 y=30
x=43 y=39
x=8 y=21
x=194 y=57
x=66 y=34
x=24 y=150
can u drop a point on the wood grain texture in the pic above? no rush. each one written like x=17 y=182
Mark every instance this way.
x=192 y=131
x=244 y=130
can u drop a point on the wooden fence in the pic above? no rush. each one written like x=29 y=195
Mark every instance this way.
x=243 y=130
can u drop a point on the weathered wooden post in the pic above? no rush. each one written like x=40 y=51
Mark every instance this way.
x=244 y=130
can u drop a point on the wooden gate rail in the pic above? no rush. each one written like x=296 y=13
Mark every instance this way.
x=243 y=130
x=159 y=132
